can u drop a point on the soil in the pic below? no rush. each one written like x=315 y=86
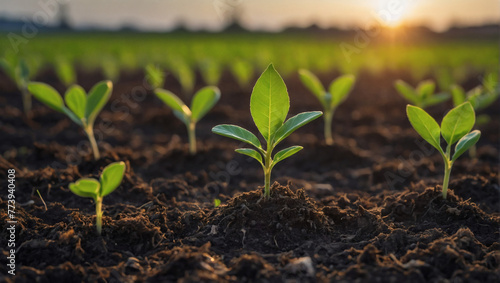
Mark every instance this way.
x=367 y=209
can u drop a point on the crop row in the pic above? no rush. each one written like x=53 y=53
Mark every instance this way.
x=269 y=106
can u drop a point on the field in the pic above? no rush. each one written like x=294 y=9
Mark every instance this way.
x=367 y=208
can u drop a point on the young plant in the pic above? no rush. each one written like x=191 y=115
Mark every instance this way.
x=338 y=91
x=211 y=71
x=154 y=76
x=111 y=177
x=269 y=105
x=242 y=71
x=423 y=95
x=455 y=127
x=65 y=71
x=81 y=108
x=480 y=97
x=18 y=72
x=202 y=102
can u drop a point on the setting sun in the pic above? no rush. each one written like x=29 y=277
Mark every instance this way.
x=392 y=13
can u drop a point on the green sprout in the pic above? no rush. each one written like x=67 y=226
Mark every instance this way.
x=65 y=71
x=154 y=76
x=18 y=72
x=423 y=95
x=480 y=97
x=81 y=108
x=269 y=105
x=111 y=177
x=202 y=102
x=242 y=71
x=455 y=127
x=338 y=91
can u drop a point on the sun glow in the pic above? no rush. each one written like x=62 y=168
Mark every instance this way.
x=392 y=13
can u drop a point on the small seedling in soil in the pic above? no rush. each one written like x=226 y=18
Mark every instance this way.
x=480 y=97
x=269 y=105
x=423 y=95
x=338 y=91
x=455 y=127
x=202 y=102
x=217 y=202
x=111 y=177
x=242 y=71
x=65 y=71
x=18 y=72
x=80 y=107
x=154 y=76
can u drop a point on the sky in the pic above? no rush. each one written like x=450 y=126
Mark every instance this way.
x=271 y=15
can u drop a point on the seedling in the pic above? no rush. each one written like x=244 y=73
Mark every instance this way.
x=480 y=97
x=217 y=202
x=111 y=177
x=65 y=71
x=269 y=105
x=18 y=72
x=154 y=76
x=242 y=71
x=202 y=102
x=81 y=108
x=455 y=127
x=211 y=71
x=423 y=95
x=338 y=91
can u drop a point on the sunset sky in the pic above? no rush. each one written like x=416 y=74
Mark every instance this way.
x=262 y=14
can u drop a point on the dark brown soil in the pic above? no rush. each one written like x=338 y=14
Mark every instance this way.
x=367 y=209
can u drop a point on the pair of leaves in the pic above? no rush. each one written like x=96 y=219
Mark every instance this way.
x=480 y=97
x=110 y=179
x=423 y=95
x=455 y=127
x=17 y=70
x=202 y=102
x=81 y=108
x=337 y=92
x=269 y=105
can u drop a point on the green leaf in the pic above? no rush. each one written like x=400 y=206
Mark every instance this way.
x=458 y=95
x=340 y=88
x=98 y=97
x=425 y=89
x=458 y=122
x=172 y=101
x=425 y=126
x=47 y=95
x=203 y=101
x=111 y=177
x=72 y=116
x=86 y=187
x=237 y=133
x=76 y=100
x=285 y=153
x=269 y=103
x=407 y=91
x=314 y=85
x=154 y=76
x=252 y=153
x=294 y=123
x=465 y=143
x=435 y=99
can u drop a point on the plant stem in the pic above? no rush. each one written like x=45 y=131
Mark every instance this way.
x=192 y=138
x=446 y=180
x=90 y=134
x=98 y=213
x=26 y=102
x=447 y=170
x=328 y=117
x=267 y=173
